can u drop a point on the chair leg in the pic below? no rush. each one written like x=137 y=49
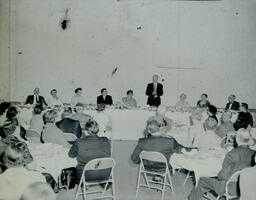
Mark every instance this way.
x=113 y=188
x=138 y=185
x=170 y=181
x=84 y=191
x=186 y=178
x=164 y=187
x=77 y=190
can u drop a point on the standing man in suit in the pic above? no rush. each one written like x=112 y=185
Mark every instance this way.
x=235 y=160
x=69 y=125
x=232 y=104
x=104 y=98
x=36 y=98
x=154 y=92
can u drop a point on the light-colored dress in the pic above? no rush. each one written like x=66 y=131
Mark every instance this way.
x=54 y=102
x=77 y=99
x=129 y=102
x=182 y=105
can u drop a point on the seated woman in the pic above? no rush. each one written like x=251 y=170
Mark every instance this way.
x=36 y=125
x=212 y=111
x=77 y=98
x=51 y=133
x=17 y=176
x=54 y=100
x=203 y=102
x=244 y=118
x=88 y=148
x=165 y=122
x=80 y=115
x=3 y=109
x=225 y=125
x=129 y=101
x=207 y=138
x=182 y=104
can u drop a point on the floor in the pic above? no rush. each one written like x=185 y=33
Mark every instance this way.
x=126 y=178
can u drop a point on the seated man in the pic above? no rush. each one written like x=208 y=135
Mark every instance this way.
x=54 y=100
x=88 y=148
x=232 y=104
x=235 y=160
x=129 y=101
x=156 y=142
x=69 y=125
x=248 y=182
x=244 y=118
x=36 y=98
x=104 y=98
x=80 y=115
x=164 y=122
x=225 y=125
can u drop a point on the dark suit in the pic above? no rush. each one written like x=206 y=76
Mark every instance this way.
x=235 y=160
x=68 y=125
x=41 y=100
x=107 y=100
x=152 y=100
x=89 y=148
x=243 y=120
x=164 y=145
x=235 y=106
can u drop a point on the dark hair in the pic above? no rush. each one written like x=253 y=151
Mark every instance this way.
x=245 y=105
x=53 y=90
x=233 y=95
x=3 y=107
x=102 y=90
x=38 y=109
x=212 y=109
x=77 y=89
x=49 y=116
x=129 y=92
x=90 y=123
x=11 y=112
x=204 y=95
x=66 y=112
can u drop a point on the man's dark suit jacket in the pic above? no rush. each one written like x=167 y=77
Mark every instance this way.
x=244 y=119
x=68 y=125
x=151 y=100
x=235 y=106
x=30 y=100
x=164 y=145
x=107 y=101
x=89 y=148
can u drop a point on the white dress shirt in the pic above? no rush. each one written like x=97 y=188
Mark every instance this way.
x=54 y=102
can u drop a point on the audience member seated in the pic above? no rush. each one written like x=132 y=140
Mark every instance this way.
x=54 y=100
x=80 y=115
x=38 y=191
x=104 y=98
x=244 y=118
x=36 y=98
x=247 y=182
x=212 y=111
x=196 y=117
x=164 y=122
x=51 y=133
x=207 y=138
x=182 y=104
x=225 y=124
x=17 y=177
x=232 y=104
x=3 y=109
x=11 y=113
x=77 y=98
x=88 y=148
x=156 y=142
x=69 y=125
x=203 y=102
x=36 y=122
x=104 y=121
x=235 y=160
x=129 y=101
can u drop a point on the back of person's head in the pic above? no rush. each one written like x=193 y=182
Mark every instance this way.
x=11 y=112
x=14 y=154
x=79 y=108
x=153 y=127
x=38 y=109
x=245 y=106
x=92 y=127
x=242 y=137
x=38 y=191
x=66 y=113
x=212 y=109
x=3 y=107
x=50 y=116
x=226 y=116
x=9 y=127
x=210 y=123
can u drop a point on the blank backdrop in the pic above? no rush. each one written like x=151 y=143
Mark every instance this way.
x=193 y=46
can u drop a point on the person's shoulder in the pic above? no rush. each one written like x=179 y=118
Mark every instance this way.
x=160 y=84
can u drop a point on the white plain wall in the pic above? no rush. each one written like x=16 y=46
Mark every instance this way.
x=218 y=37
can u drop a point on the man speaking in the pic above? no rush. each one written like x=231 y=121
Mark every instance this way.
x=154 y=92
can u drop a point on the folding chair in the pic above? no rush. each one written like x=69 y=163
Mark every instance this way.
x=165 y=175
x=233 y=178
x=94 y=165
x=174 y=167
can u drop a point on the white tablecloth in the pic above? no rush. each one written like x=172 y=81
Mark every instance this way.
x=206 y=163
x=52 y=158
